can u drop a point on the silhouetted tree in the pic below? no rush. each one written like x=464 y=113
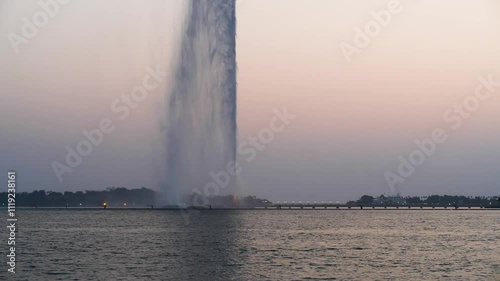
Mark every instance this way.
x=366 y=200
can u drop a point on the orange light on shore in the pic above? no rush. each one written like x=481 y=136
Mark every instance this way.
x=105 y=204
x=235 y=200
x=125 y=204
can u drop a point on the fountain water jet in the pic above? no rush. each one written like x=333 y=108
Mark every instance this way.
x=201 y=110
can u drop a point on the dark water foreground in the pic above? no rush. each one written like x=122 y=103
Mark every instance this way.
x=255 y=245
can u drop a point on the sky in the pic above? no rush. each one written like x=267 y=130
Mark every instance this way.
x=356 y=114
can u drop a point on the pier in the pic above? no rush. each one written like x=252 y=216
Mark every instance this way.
x=291 y=206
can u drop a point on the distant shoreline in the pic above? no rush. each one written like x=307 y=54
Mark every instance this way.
x=123 y=198
x=272 y=208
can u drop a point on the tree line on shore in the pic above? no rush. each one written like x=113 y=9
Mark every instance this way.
x=433 y=200
x=143 y=197
x=116 y=197
x=112 y=196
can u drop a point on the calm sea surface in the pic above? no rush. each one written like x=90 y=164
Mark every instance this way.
x=255 y=245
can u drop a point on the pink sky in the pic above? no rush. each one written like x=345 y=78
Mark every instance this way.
x=353 y=119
